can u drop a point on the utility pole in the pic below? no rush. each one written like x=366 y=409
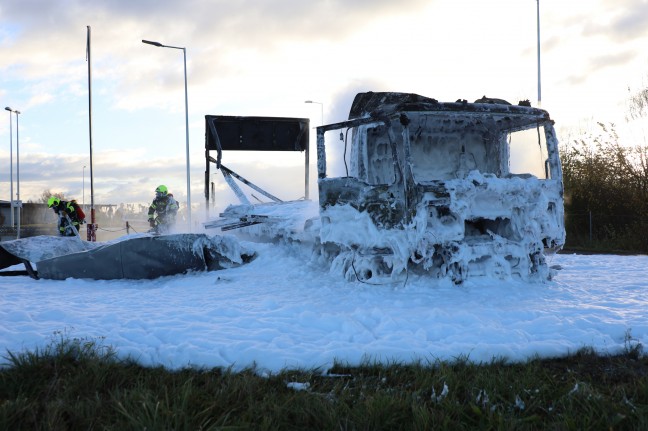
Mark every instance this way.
x=538 y=19
x=92 y=227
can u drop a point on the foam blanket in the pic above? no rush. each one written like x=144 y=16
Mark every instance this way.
x=131 y=257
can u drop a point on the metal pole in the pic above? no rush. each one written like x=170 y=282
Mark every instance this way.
x=307 y=152
x=184 y=53
x=83 y=201
x=11 y=165
x=18 y=202
x=91 y=229
x=307 y=173
x=539 y=88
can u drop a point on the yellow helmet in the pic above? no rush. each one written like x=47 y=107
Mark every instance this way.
x=53 y=201
x=161 y=190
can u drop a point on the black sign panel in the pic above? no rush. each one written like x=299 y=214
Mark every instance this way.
x=256 y=133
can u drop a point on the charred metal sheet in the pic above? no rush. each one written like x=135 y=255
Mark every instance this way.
x=385 y=104
x=37 y=248
x=375 y=104
x=228 y=174
x=134 y=257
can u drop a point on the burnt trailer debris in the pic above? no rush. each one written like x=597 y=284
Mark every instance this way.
x=449 y=189
x=133 y=257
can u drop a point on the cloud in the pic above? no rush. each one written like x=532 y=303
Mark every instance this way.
x=265 y=57
x=623 y=21
x=39 y=99
x=119 y=176
x=48 y=47
x=612 y=60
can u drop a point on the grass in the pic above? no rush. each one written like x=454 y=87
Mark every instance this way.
x=77 y=384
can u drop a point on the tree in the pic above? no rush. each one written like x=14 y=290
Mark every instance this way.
x=609 y=182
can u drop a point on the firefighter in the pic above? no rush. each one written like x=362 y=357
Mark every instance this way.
x=163 y=209
x=69 y=219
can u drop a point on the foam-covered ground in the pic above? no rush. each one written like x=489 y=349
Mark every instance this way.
x=284 y=310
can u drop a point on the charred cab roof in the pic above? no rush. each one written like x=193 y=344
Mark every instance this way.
x=386 y=104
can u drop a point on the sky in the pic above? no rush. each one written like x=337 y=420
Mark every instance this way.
x=266 y=58
x=286 y=310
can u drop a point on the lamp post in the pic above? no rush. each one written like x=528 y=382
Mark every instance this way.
x=184 y=53
x=538 y=19
x=321 y=109
x=307 y=173
x=18 y=201
x=11 y=165
x=91 y=229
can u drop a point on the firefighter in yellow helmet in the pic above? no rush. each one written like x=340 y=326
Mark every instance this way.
x=70 y=217
x=163 y=209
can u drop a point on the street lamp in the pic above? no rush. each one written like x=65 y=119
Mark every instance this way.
x=307 y=173
x=321 y=108
x=538 y=19
x=11 y=165
x=184 y=53
x=17 y=202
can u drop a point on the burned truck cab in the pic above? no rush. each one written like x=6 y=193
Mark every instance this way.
x=454 y=190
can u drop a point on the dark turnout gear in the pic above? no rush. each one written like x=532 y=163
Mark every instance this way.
x=163 y=209
x=69 y=219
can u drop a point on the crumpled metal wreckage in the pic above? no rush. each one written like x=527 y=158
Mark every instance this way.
x=448 y=189
x=134 y=257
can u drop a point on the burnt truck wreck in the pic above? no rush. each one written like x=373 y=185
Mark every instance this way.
x=449 y=189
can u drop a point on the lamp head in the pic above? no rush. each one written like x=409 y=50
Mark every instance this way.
x=8 y=109
x=150 y=42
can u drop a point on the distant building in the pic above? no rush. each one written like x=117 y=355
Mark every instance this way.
x=35 y=219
